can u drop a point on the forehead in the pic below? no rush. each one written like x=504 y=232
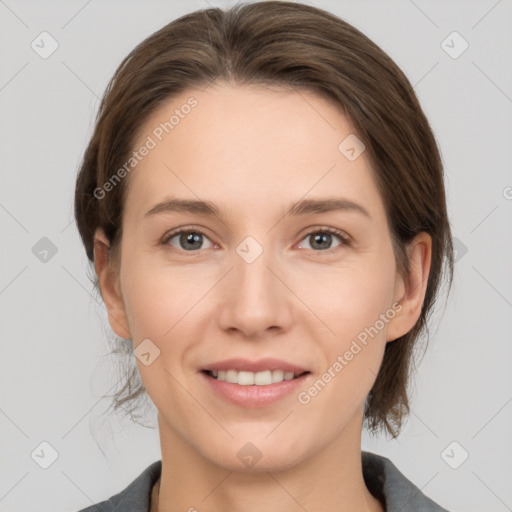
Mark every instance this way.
x=251 y=146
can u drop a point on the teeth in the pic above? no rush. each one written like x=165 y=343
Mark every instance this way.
x=263 y=378
x=277 y=376
x=244 y=378
x=231 y=376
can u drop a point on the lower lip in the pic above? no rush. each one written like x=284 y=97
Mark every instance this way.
x=254 y=396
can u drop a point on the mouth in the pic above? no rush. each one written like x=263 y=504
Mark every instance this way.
x=254 y=384
x=247 y=378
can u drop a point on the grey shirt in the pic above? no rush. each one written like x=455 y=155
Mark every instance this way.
x=383 y=479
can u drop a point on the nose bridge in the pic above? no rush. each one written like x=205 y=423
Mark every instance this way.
x=254 y=279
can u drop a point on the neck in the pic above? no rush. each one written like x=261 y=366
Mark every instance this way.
x=331 y=480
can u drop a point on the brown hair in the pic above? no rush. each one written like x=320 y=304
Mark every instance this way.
x=297 y=46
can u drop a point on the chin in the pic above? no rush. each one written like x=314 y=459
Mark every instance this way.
x=264 y=465
x=258 y=457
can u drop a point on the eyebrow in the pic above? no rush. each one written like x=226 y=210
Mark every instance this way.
x=303 y=207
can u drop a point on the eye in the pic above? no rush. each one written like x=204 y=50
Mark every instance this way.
x=321 y=239
x=189 y=240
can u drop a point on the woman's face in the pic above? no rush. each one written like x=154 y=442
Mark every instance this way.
x=254 y=287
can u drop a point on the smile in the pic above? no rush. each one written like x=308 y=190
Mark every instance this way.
x=246 y=378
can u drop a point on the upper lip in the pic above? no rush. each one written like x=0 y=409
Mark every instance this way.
x=260 y=365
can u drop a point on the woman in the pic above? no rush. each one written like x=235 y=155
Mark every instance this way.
x=263 y=202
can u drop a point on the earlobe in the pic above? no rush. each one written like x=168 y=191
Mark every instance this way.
x=108 y=281
x=412 y=288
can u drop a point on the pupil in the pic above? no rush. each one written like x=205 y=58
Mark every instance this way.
x=325 y=236
x=191 y=238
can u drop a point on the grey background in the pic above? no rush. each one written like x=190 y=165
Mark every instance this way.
x=53 y=333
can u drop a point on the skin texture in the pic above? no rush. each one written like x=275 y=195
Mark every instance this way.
x=254 y=151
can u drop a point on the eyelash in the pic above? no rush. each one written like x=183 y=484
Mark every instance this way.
x=345 y=239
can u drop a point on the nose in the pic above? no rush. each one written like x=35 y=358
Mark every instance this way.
x=255 y=300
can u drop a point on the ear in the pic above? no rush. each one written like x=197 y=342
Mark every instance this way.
x=410 y=291
x=108 y=280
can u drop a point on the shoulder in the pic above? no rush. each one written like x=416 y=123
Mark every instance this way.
x=388 y=484
x=135 y=497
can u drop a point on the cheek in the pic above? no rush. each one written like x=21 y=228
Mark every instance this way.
x=354 y=305
x=155 y=298
x=342 y=300
x=356 y=309
x=350 y=300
